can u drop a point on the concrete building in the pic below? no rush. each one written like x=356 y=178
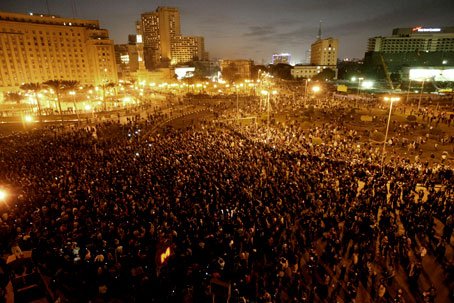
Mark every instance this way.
x=37 y=48
x=189 y=48
x=236 y=69
x=309 y=71
x=414 y=39
x=324 y=52
x=419 y=48
x=163 y=43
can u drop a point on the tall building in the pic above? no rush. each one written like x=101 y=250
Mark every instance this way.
x=37 y=48
x=187 y=48
x=414 y=39
x=158 y=29
x=324 y=52
x=162 y=39
x=429 y=49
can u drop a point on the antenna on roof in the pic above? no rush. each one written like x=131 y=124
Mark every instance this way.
x=74 y=7
x=319 y=36
x=47 y=5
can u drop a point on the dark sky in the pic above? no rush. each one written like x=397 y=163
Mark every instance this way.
x=255 y=29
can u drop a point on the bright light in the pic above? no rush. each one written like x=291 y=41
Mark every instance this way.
x=353 y=79
x=439 y=75
x=392 y=99
x=264 y=92
x=72 y=93
x=3 y=195
x=127 y=99
x=165 y=255
x=28 y=118
x=367 y=84
x=87 y=107
x=316 y=88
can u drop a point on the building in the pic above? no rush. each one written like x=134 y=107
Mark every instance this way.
x=404 y=40
x=127 y=58
x=281 y=58
x=323 y=55
x=189 y=48
x=394 y=56
x=324 y=52
x=37 y=48
x=309 y=71
x=162 y=40
x=158 y=29
x=233 y=70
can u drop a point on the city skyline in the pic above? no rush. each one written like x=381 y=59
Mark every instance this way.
x=258 y=29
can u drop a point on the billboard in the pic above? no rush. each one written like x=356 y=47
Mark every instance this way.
x=431 y=74
x=184 y=72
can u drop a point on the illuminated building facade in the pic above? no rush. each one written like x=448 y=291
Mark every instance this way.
x=187 y=48
x=420 y=48
x=324 y=52
x=162 y=40
x=414 y=39
x=37 y=48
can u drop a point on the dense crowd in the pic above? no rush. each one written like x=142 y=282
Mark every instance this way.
x=268 y=213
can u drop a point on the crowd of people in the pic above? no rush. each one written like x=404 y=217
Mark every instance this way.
x=117 y=212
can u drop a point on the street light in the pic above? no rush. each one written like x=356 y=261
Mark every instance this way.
x=305 y=91
x=73 y=93
x=391 y=100
x=3 y=195
x=420 y=95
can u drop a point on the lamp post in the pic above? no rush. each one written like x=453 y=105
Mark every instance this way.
x=305 y=91
x=420 y=95
x=73 y=93
x=390 y=99
x=408 y=92
x=315 y=90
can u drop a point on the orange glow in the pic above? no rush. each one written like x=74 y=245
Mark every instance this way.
x=165 y=255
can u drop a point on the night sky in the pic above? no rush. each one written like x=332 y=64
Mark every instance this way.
x=255 y=29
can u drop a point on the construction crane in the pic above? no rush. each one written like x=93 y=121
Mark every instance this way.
x=385 y=70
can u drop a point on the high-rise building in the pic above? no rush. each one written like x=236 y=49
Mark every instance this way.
x=324 y=52
x=158 y=29
x=403 y=40
x=423 y=48
x=37 y=48
x=162 y=39
x=187 y=48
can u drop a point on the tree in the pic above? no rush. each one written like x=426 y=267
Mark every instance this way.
x=35 y=88
x=15 y=97
x=59 y=86
x=327 y=73
x=281 y=71
x=106 y=85
x=71 y=85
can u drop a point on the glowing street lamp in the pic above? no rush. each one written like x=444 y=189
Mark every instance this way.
x=73 y=93
x=3 y=195
x=391 y=100
x=28 y=118
x=316 y=89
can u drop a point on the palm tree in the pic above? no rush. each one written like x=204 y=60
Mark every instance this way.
x=15 y=97
x=107 y=85
x=35 y=88
x=71 y=85
x=57 y=86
